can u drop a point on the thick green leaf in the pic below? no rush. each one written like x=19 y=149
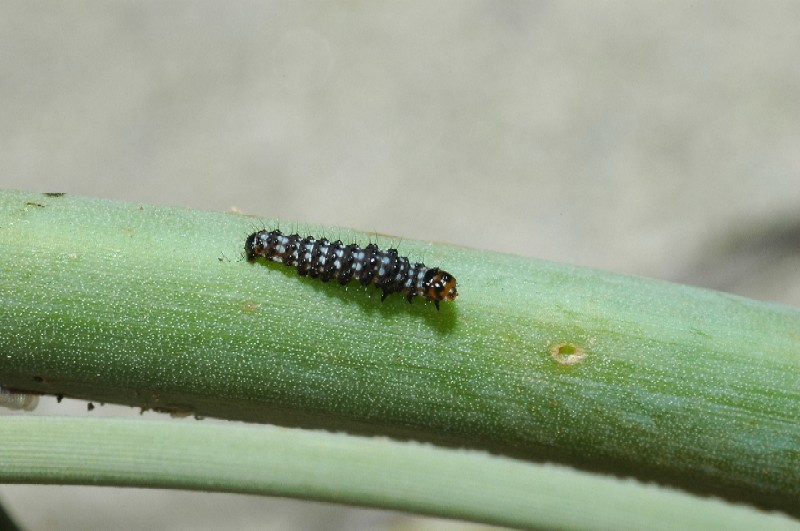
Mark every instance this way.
x=155 y=307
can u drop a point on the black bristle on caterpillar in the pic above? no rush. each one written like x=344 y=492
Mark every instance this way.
x=320 y=258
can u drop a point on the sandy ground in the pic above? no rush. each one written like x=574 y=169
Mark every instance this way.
x=654 y=138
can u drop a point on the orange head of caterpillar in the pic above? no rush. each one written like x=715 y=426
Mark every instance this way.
x=439 y=286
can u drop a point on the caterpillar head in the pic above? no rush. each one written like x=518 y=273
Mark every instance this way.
x=439 y=285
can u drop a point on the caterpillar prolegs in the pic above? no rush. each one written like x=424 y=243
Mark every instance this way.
x=326 y=260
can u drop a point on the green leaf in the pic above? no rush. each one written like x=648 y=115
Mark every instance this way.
x=155 y=307
x=352 y=470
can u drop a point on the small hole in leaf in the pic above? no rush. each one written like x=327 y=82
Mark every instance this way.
x=567 y=353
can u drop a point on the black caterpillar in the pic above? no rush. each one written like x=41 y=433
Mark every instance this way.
x=327 y=260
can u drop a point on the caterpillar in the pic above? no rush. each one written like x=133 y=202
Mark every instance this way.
x=320 y=258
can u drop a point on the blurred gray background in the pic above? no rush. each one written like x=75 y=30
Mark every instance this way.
x=658 y=138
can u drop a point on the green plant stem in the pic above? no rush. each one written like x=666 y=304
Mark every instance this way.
x=154 y=307
x=344 y=469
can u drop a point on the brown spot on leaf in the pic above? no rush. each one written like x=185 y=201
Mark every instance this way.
x=567 y=353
